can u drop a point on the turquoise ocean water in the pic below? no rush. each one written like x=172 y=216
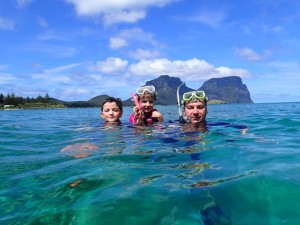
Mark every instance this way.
x=65 y=167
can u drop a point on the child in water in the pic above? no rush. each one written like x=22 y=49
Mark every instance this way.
x=112 y=110
x=143 y=112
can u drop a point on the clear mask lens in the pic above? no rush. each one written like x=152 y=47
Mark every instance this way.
x=194 y=94
x=142 y=90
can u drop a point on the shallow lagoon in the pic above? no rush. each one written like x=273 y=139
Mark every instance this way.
x=156 y=175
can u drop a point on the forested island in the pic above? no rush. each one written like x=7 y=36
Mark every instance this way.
x=226 y=90
x=11 y=101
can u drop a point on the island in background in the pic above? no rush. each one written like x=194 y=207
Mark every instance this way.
x=226 y=90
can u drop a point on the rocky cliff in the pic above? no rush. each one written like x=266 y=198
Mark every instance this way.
x=166 y=88
x=227 y=89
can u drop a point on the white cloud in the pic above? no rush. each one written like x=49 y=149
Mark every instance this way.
x=42 y=22
x=191 y=70
x=69 y=52
x=284 y=65
x=60 y=79
x=50 y=78
x=213 y=18
x=3 y=67
x=50 y=36
x=6 y=24
x=54 y=49
x=225 y=72
x=140 y=54
x=107 y=82
x=115 y=11
x=23 y=3
x=73 y=93
x=130 y=16
x=110 y=66
x=137 y=34
x=85 y=91
x=6 y=78
x=62 y=68
x=55 y=43
x=277 y=29
x=117 y=42
x=250 y=55
x=64 y=82
x=133 y=36
x=55 y=74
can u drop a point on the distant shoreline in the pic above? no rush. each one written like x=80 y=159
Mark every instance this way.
x=60 y=106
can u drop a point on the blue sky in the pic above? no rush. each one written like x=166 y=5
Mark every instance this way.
x=78 y=49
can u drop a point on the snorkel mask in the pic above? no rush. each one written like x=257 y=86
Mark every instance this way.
x=148 y=91
x=188 y=96
x=142 y=90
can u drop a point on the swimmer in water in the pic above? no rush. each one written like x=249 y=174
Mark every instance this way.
x=144 y=112
x=195 y=106
x=112 y=110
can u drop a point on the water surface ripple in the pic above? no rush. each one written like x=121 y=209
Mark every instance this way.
x=66 y=167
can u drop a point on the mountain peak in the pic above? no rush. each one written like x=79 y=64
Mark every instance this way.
x=227 y=89
x=166 y=88
x=165 y=81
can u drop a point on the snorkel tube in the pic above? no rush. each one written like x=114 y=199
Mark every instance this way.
x=181 y=119
x=135 y=99
x=133 y=118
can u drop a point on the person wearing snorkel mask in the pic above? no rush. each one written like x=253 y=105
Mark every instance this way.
x=143 y=111
x=195 y=111
x=195 y=106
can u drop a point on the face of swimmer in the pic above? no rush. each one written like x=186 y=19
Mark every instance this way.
x=195 y=111
x=111 y=112
x=146 y=103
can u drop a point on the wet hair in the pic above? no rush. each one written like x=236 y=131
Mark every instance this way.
x=118 y=101
x=147 y=94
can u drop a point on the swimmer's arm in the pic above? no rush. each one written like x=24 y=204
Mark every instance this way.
x=158 y=115
x=79 y=150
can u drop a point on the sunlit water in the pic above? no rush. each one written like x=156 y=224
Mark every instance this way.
x=65 y=167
